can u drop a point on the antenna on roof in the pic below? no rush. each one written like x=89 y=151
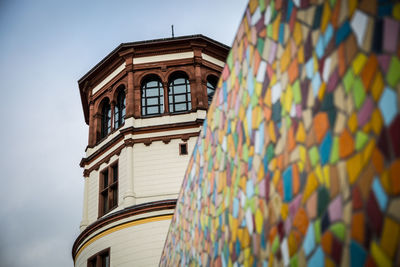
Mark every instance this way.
x=172 y=28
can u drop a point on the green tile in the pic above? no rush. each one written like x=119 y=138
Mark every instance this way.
x=314 y=155
x=317 y=231
x=348 y=80
x=393 y=74
x=361 y=140
x=358 y=93
x=339 y=230
x=296 y=92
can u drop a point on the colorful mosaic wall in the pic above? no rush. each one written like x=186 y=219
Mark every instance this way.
x=299 y=159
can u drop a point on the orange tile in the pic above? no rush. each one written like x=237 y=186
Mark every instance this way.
x=346 y=144
x=291 y=141
x=326 y=242
x=321 y=125
x=377 y=160
x=335 y=14
x=293 y=71
x=357 y=227
x=296 y=179
x=300 y=221
x=395 y=177
x=369 y=70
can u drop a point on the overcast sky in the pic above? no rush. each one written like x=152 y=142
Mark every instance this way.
x=45 y=47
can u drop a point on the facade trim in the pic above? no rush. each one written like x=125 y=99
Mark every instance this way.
x=125 y=213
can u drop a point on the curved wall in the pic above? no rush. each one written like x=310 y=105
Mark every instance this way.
x=298 y=162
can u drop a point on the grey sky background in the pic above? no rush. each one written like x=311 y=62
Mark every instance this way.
x=45 y=47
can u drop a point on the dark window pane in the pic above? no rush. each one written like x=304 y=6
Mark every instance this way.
x=115 y=198
x=105 y=179
x=115 y=173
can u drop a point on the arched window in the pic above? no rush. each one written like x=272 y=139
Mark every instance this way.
x=105 y=118
x=120 y=109
x=152 y=96
x=211 y=86
x=179 y=93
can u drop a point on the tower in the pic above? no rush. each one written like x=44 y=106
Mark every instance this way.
x=144 y=103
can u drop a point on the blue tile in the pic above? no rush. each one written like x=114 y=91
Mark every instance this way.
x=357 y=254
x=282 y=33
x=316 y=83
x=342 y=33
x=380 y=194
x=249 y=188
x=287 y=184
x=310 y=68
x=328 y=35
x=309 y=240
x=319 y=49
x=235 y=212
x=318 y=259
x=325 y=148
x=388 y=105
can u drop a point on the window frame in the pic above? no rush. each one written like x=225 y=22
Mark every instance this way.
x=108 y=195
x=211 y=85
x=106 y=116
x=98 y=257
x=172 y=95
x=120 y=109
x=144 y=99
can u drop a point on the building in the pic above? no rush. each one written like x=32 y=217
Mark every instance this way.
x=144 y=103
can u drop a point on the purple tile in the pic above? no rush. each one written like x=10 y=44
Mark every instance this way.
x=335 y=209
x=294 y=205
x=365 y=112
x=288 y=225
x=394 y=132
x=374 y=214
x=272 y=52
x=384 y=61
x=333 y=80
x=390 y=35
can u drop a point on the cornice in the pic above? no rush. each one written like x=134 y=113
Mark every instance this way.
x=119 y=215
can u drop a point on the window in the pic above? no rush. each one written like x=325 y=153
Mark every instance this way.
x=101 y=259
x=183 y=149
x=108 y=196
x=211 y=86
x=152 y=96
x=105 y=119
x=179 y=94
x=120 y=109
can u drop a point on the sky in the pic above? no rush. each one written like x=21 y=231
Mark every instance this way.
x=45 y=47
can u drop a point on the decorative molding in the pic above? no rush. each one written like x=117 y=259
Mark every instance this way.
x=119 y=215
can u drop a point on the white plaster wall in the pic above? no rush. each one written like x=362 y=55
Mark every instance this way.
x=139 y=245
x=158 y=169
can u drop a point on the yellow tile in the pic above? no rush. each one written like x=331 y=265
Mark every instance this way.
x=259 y=221
x=300 y=55
x=326 y=16
x=271 y=129
x=301 y=166
x=267 y=98
x=385 y=180
x=275 y=27
x=390 y=236
x=311 y=186
x=321 y=91
x=276 y=177
x=297 y=33
x=359 y=63
x=352 y=122
x=287 y=104
x=352 y=6
x=354 y=166
x=377 y=86
x=396 y=11
x=379 y=255
x=284 y=211
x=326 y=173
x=303 y=154
x=367 y=151
x=319 y=174
x=301 y=133
x=376 y=121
